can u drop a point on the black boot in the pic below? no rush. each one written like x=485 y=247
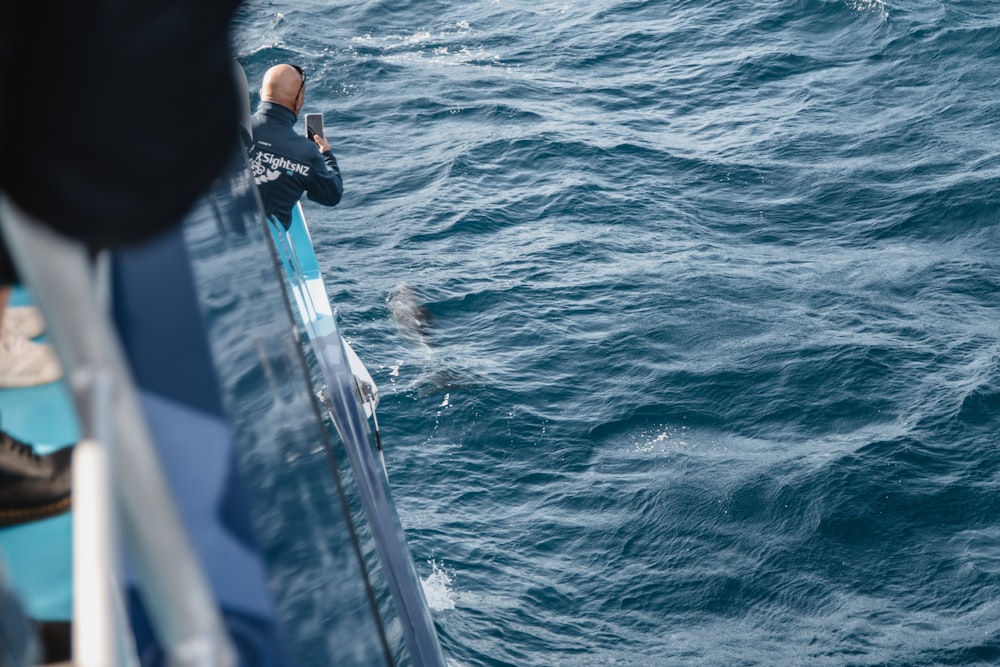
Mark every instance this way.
x=32 y=487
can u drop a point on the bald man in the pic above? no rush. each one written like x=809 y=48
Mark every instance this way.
x=285 y=163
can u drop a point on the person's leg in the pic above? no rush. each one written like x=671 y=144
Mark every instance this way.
x=18 y=644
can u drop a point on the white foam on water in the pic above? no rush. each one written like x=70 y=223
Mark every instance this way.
x=876 y=7
x=437 y=589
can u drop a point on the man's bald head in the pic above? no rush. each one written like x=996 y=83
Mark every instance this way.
x=284 y=85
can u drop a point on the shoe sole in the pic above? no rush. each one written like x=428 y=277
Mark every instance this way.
x=16 y=517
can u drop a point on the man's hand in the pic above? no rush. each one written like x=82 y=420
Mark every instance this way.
x=322 y=143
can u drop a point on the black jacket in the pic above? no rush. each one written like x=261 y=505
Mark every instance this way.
x=286 y=164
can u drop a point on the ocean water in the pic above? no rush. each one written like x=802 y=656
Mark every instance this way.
x=685 y=316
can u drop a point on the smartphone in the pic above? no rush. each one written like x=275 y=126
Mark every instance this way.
x=314 y=125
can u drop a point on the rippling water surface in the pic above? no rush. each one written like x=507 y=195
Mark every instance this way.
x=685 y=316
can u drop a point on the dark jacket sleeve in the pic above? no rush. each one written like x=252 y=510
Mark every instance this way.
x=325 y=186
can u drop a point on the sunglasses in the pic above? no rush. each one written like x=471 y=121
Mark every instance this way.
x=303 y=75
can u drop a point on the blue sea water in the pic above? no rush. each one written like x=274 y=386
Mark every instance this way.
x=685 y=316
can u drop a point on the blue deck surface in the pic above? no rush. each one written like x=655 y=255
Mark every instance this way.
x=38 y=555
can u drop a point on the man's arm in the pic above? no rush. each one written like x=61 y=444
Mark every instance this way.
x=325 y=185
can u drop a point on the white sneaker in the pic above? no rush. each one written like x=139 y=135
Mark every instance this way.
x=25 y=321
x=25 y=363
